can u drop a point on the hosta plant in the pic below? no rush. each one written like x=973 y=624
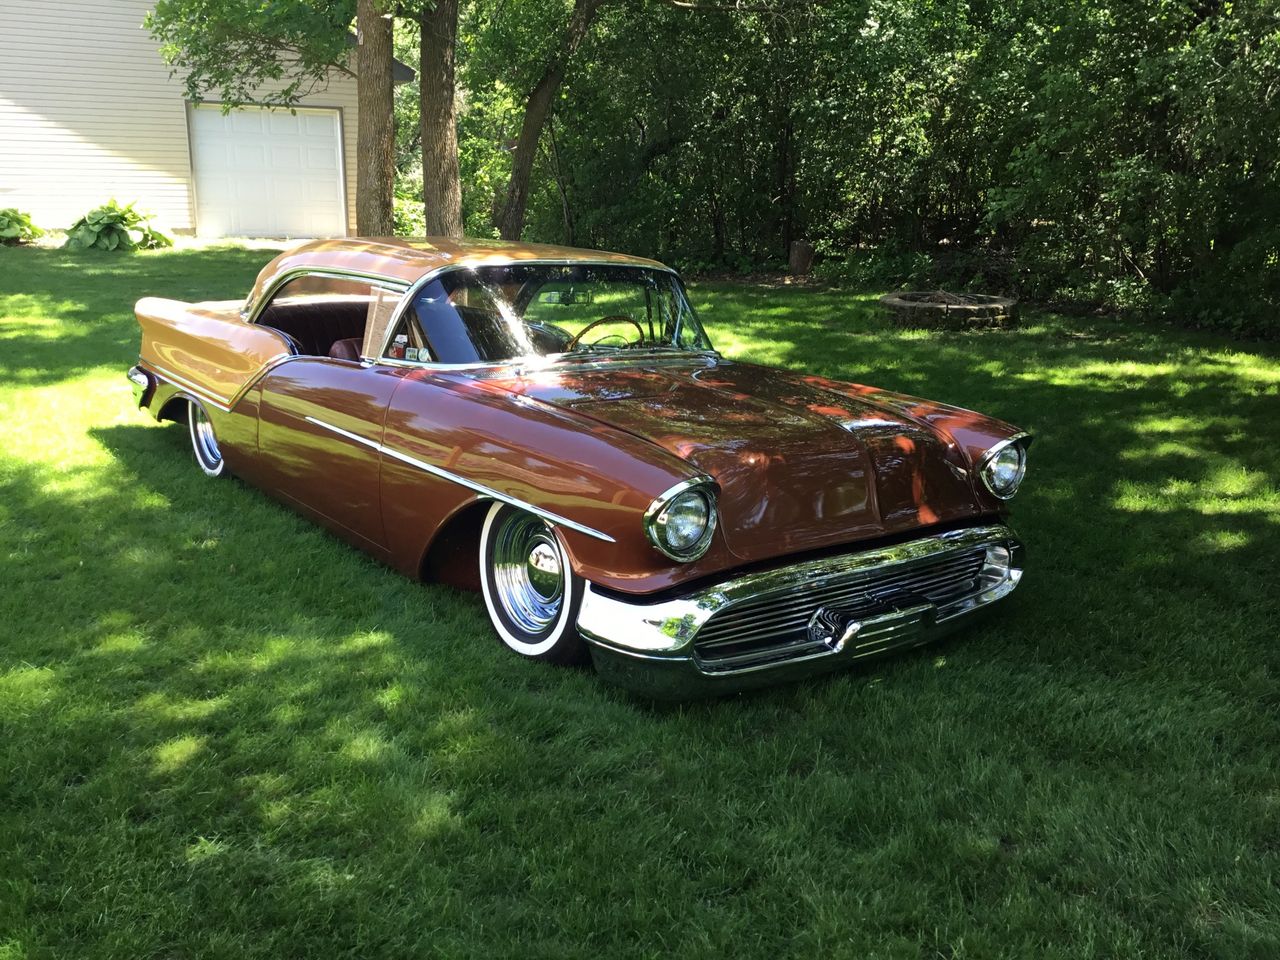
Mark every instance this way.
x=16 y=227
x=113 y=226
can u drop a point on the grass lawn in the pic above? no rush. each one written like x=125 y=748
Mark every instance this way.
x=225 y=734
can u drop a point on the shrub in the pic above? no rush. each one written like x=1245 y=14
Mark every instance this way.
x=877 y=268
x=16 y=227
x=410 y=218
x=115 y=227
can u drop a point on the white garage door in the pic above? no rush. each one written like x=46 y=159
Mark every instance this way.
x=268 y=173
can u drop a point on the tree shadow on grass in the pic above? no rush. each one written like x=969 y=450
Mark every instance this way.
x=229 y=733
x=64 y=313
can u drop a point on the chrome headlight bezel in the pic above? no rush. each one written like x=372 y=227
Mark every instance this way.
x=655 y=518
x=1018 y=442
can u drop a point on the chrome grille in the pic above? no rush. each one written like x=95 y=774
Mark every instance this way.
x=772 y=627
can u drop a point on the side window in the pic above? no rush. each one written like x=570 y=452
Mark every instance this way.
x=329 y=316
x=406 y=342
x=452 y=322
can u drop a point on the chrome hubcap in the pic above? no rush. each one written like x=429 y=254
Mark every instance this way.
x=544 y=571
x=206 y=442
x=528 y=573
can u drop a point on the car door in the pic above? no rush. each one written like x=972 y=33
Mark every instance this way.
x=321 y=413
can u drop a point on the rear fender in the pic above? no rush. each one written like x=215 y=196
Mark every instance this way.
x=204 y=349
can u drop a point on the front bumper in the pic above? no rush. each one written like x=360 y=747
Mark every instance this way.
x=814 y=617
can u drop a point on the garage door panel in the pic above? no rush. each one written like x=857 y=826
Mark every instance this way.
x=320 y=159
x=314 y=125
x=245 y=121
x=249 y=158
x=292 y=192
x=288 y=157
x=282 y=122
x=262 y=172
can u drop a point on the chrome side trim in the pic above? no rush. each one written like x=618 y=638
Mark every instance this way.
x=278 y=360
x=198 y=392
x=479 y=488
x=354 y=437
x=226 y=406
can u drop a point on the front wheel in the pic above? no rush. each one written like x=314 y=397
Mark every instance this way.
x=203 y=441
x=530 y=591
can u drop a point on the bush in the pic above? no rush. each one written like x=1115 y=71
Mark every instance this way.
x=115 y=227
x=16 y=227
x=879 y=268
x=410 y=218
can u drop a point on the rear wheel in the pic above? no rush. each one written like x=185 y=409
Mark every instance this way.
x=204 y=443
x=531 y=592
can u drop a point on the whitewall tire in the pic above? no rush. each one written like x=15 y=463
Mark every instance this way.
x=204 y=442
x=530 y=590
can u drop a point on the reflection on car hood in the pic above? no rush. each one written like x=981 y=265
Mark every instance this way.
x=801 y=461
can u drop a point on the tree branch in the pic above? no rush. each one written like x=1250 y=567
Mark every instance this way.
x=722 y=7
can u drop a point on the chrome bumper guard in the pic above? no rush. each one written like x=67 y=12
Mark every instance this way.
x=795 y=621
x=141 y=384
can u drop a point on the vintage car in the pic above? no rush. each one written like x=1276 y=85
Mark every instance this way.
x=552 y=427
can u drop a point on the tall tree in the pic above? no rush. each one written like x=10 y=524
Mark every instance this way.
x=509 y=211
x=243 y=51
x=376 y=136
x=441 y=187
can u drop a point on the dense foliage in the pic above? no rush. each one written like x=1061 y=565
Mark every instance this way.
x=1099 y=153
x=17 y=227
x=115 y=226
x=246 y=51
x=1084 y=152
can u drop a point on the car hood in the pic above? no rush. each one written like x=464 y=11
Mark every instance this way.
x=801 y=462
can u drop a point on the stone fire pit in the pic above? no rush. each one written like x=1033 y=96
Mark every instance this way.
x=950 y=311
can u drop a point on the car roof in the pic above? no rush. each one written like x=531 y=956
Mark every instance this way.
x=409 y=260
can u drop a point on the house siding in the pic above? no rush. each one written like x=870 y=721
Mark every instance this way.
x=88 y=111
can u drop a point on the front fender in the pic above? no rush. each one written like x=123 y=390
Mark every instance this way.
x=446 y=436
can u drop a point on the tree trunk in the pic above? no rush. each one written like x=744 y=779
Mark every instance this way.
x=508 y=216
x=375 y=132
x=441 y=188
x=787 y=185
x=510 y=219
x=565 y=209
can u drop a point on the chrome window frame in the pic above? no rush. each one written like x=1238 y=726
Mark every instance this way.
x=409 y=291
x=273 y=286
x=416 y=287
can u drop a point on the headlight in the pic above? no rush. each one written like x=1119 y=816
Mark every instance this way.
x=681 y=521
x=1004 y=465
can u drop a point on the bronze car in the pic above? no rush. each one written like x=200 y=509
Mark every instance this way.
x=552 y=427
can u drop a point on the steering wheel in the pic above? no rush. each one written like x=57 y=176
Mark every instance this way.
x=615 y=318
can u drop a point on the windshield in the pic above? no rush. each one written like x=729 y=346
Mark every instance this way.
x=493 y=314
